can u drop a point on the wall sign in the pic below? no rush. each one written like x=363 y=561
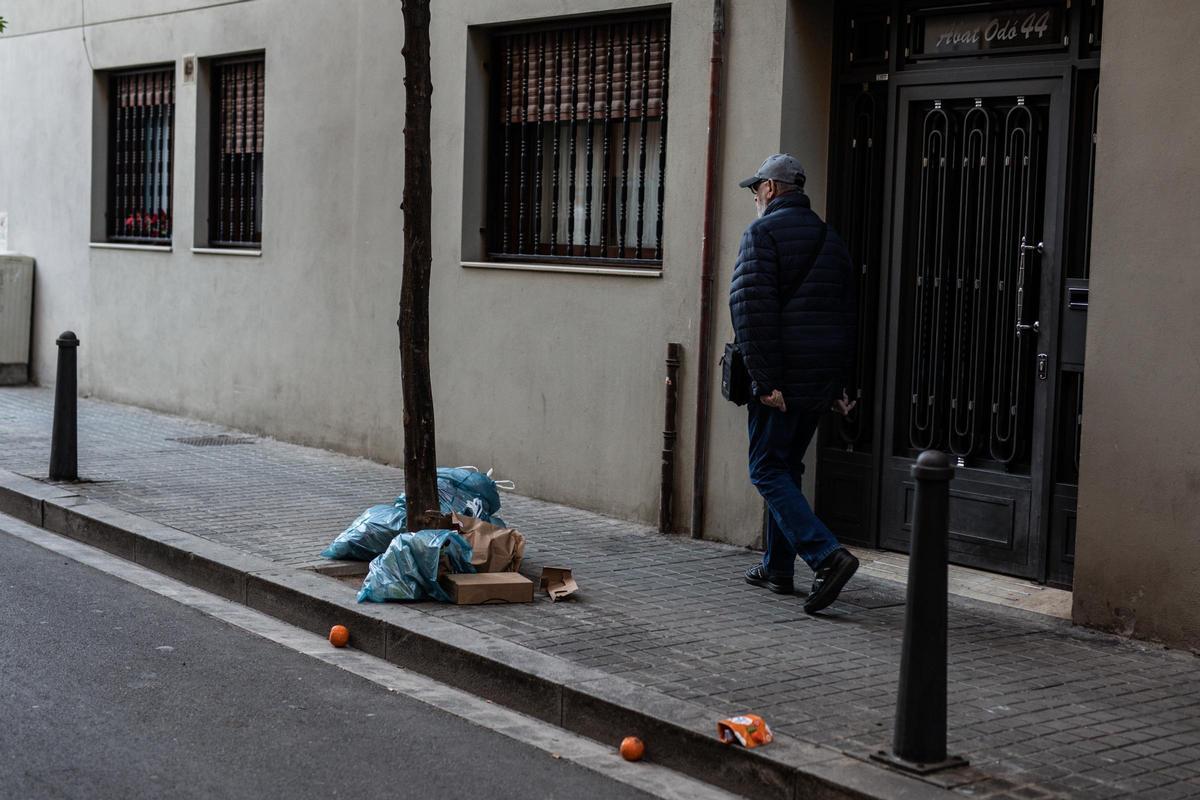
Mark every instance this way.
x=980 y=32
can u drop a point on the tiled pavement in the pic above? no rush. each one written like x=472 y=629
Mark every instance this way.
x=1046 y=709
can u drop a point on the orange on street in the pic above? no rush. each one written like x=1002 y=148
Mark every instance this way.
x=632 y=748
x=339 y=636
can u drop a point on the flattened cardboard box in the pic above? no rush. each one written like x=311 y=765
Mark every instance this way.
x=558 y=583
x=489 y=587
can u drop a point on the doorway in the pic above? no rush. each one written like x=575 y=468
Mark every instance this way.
x=960 y=181
x=968 y=365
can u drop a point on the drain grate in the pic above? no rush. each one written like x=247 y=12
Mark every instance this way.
x=214 y=441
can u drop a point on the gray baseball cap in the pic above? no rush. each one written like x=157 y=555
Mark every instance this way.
x=779 y=167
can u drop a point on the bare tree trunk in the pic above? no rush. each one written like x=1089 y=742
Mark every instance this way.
x=420 y=458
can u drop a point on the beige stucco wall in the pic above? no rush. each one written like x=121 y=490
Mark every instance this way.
x=555 y=380
x=793 y=111
x=277 y=344
x=1138 y=539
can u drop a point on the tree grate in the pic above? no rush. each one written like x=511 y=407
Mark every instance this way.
x=214 y=441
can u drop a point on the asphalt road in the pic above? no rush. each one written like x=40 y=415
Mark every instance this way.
x=108 y=690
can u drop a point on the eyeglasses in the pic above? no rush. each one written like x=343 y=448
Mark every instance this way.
x=754 y=186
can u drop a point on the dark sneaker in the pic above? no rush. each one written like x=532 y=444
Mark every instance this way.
x=758 y=576
x=832 y=575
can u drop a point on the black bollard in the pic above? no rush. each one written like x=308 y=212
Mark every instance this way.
x=64 y=461
x=919 y=743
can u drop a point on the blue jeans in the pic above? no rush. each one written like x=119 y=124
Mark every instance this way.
x=778 y=441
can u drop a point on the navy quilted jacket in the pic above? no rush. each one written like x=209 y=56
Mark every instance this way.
x=805 y=348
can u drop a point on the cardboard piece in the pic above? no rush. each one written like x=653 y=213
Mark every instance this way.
x=492 y=549
x=488 y=587
x=558 y=582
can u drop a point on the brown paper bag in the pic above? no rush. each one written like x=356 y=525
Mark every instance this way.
x=492 y=549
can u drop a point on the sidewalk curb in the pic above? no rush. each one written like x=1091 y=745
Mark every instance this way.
x=680 y=735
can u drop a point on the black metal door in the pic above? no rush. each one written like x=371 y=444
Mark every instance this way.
x=968 y=367
x=846 y=478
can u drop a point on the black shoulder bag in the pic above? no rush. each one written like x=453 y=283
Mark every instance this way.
x=735 y=378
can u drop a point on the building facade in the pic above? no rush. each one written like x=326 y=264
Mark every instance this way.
x=212 y=193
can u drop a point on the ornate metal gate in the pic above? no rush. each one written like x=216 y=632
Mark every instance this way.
x=970 y=219
x=978 y=170
x=955 y=157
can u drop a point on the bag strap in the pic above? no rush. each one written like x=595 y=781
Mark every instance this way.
x=808 y=265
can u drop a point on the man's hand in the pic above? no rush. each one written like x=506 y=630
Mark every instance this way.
x=843 y=405
x=774 y=400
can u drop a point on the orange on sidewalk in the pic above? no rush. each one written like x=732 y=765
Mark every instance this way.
x=632 y=748
x=339 y=636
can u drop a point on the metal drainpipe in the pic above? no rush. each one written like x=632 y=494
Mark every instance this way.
x=703 y=362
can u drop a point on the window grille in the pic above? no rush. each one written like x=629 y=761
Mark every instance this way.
x=236 y=173
x=579 y=148
x=141 y=143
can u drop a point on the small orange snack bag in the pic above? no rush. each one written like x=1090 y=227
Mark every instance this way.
x=748 y=730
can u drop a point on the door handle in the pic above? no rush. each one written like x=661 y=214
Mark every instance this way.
x=1038 y=248
x=1022 y=249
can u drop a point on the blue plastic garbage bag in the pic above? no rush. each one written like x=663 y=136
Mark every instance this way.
x=466 y=489
x=461 y=490
x=408 y=568
x=369 y=535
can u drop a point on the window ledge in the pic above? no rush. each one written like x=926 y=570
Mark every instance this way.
x=154 y=248
x=578 y=270
x=226 y=251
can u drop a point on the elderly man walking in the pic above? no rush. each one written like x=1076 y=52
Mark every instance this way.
x=793 y=302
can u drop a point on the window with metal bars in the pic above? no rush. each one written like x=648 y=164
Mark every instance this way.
x=141 y=144
x=236 y=170
x=578 y=142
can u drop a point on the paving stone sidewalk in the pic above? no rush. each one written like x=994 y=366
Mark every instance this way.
x=1044 y=708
